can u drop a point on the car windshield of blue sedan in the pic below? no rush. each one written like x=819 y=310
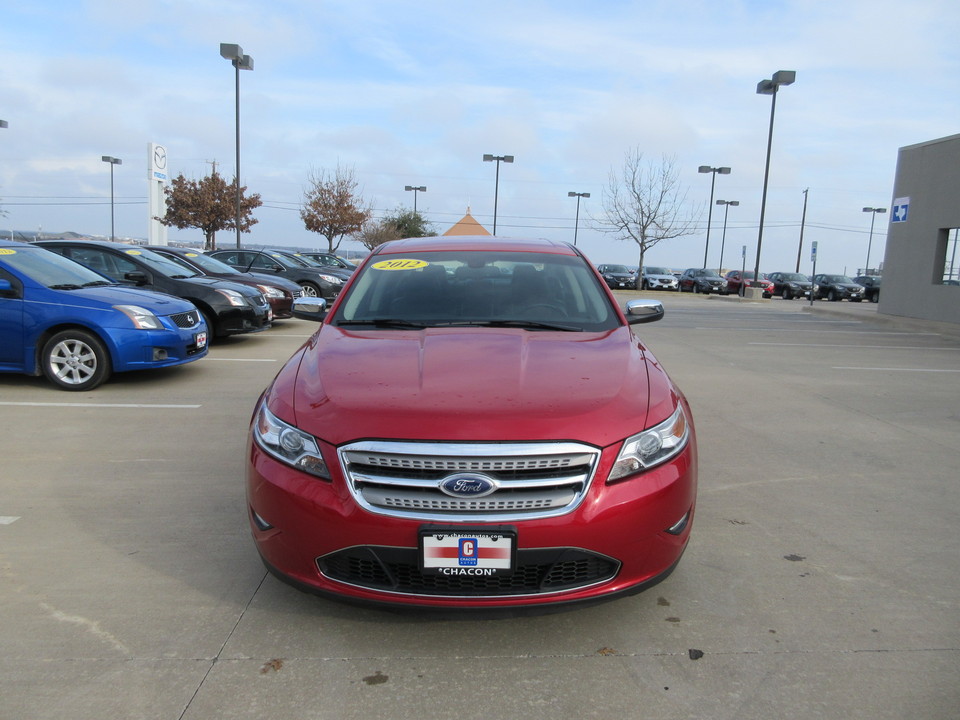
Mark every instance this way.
x=53 y=270
x=531 y=291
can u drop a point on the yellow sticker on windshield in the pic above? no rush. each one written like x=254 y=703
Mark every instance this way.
x=133 y=252
x=400 y=264
x=191 y=254
x=7 y=251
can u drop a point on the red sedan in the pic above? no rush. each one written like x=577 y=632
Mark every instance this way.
x=473 y=425
x=735 y=282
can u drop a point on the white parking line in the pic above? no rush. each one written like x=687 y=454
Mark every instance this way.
x=858 y=347
x=100 y=405
x=889 y=369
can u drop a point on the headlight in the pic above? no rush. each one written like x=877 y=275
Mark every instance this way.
x=288 y=444
x=332 y=279
x=270 y=291
x=233 y=297
x=141 y=318
x=652 y=447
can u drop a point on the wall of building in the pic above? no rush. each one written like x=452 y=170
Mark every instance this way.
x=929 y=175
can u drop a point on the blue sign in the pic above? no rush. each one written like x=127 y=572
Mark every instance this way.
x=467 y=552
x=900 y=208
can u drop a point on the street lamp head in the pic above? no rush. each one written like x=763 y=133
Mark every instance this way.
x=419 y=188
x=723 y=170
x=498 y=158
x=3 y=124
x=785 y=77
x=874 y=210
x=732 y=203
x=576 y=194
x=111 y=160
x=507 y=158
x=707 y=168
x=780 y=77
x=231 y=51
x=487 y=157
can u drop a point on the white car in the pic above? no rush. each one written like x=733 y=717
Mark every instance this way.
x=659 y=278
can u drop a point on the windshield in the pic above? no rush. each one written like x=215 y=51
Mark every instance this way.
x=51 y=269
x=657 y=271
x=838 y=279
x=161 y=263
x=794 y=277
x=617 y=269
x=204 y=262
x=534 y=291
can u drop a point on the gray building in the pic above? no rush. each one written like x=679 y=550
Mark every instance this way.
x=921 y=275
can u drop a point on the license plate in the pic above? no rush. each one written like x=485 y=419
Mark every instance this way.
x=623 y=284
x=478 y=552
x=200 y=339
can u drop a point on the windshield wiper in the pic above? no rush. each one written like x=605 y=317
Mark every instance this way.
x=64 y=286
x=524 y=324
x=98 y=283
x=384 y=323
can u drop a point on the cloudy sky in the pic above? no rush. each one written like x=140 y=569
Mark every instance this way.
x=416 y=93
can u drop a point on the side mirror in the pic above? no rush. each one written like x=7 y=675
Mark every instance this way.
x=6 y=289
x=310 y=308
x=644 y=311
x=137 y=277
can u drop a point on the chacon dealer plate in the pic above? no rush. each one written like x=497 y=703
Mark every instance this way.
x=457 y=551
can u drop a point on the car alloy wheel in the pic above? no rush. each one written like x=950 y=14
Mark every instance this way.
x=310 y=290
x=75 y=360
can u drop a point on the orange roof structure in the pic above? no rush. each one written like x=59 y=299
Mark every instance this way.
x=467 y=225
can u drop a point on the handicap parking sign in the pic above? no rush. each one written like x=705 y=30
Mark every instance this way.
x=900 y=208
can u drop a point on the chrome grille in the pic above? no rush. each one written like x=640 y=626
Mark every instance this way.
x=530 y=480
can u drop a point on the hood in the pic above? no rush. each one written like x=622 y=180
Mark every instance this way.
x=108 y=296
x=472 y=385
x=662 y=277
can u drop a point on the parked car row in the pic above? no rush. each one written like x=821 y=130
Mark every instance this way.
x=788 y=285
x=79 y=310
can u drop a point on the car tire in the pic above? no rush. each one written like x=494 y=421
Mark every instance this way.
x=696 y=289
x=309 y=289
x=786 y=294
x=212 y=330
x=832 y=296
x=75 y=360
x=875 y=298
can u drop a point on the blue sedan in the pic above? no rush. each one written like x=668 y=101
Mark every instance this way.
x=63 y=320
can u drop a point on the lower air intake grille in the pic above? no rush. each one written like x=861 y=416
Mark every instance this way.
x=537 y=572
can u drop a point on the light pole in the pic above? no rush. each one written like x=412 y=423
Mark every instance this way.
x=769 y=87
x=873 y=216
x=713 y=178
x=234 y=53
x=723 y=238
x=576 y=222
x=496 y=188
x=803 y=222
x=418 y=188
x=113 y=161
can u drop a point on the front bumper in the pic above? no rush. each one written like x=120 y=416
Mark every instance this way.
x=312 y=533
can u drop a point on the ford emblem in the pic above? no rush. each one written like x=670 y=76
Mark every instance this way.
x=468 y=485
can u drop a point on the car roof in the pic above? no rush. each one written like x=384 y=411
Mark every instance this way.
x=475 y=242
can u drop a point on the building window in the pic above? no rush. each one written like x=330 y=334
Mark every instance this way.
x=949 y=257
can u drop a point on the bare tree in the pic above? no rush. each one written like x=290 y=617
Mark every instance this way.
x=332 y=206
x=376 y=232
x=644 y=202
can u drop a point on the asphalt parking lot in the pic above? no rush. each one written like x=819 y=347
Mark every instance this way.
x=822 y=579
